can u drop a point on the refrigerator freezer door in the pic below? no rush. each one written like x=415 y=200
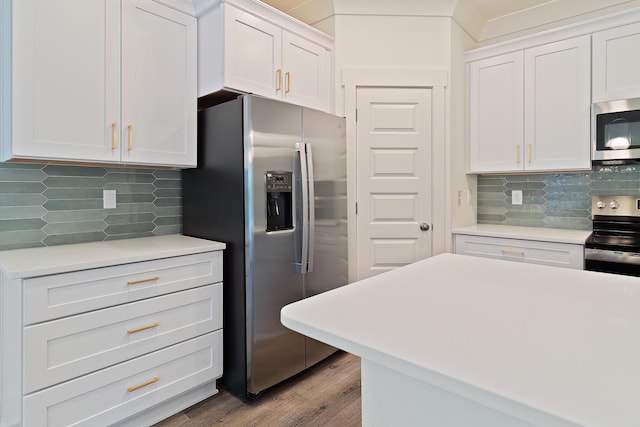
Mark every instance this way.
x=274 y=352
x=325 y=133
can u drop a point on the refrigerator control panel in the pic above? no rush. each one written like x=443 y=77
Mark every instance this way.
x=279 y=200
x=279 y=181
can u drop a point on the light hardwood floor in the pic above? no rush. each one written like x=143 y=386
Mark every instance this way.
x=327 y=394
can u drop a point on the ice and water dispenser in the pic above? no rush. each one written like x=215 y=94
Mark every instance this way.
x=279 y=200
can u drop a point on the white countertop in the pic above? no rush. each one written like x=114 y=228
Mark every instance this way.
x=31 y=262
x=549 y=345
x=525 y=233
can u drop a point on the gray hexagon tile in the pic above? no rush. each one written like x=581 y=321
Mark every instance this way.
x=44 y=205
x=553 y=200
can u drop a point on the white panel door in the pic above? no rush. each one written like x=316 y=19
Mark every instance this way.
x=253 y=54
x=496 y=129
x=394 y=178
x=558 y=105
x=66 y=79
x=616 y=64
x=306 y=72
x=159 y=85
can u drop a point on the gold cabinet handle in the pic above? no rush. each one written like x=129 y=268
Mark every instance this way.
x=114 y=136
x=287 y=78
x=518 y=153
x=279 y=79
x=136 y=282
x=136 y=387
x=529 y=153
x=144 y=328
x=511 y=252
x=130 y=127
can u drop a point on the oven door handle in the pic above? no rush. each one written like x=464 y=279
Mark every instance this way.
x=619 y=257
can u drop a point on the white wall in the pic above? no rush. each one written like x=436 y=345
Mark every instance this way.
x=463 y=213
x=388 y=41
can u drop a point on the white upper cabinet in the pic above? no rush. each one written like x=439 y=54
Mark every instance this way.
x=306 y=75
x=616 y=63
x=82 y=73
x=557 y=106
x=65 y=80
x=248 y=47
x=496 y=113
x=529 y=110
x=159 y=85
x=252 y=53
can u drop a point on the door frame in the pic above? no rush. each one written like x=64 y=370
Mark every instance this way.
x=430 y=78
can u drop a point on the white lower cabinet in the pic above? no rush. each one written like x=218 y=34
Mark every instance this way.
x=530 y=251
x=110 y=395
x=66 y=348
x=121 y=344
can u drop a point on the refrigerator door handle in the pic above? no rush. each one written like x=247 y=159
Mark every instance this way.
x=311 y=207
x=308 y=208
x=301 y=149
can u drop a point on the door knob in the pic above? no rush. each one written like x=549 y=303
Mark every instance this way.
x=424 y=226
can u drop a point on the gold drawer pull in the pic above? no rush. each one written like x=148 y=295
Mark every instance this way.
x=287 y=78
x=144 y=328
x=278 y=79
x=114 y=136
x=511 y=252
x=137 y=282
x=134 y=388
x=130 y=127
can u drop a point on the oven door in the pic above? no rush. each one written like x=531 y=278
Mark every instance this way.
x=611 y=261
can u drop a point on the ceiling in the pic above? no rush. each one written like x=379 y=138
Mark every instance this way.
x=490 y=9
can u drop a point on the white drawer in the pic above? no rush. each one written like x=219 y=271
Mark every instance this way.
x=60 y=295
x=62 y=349
x=102 y=398
x=531 y=251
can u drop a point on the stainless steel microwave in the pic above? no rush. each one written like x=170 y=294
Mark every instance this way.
x=616 y=131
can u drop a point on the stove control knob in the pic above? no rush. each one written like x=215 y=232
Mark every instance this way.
x=614 y=205
x=600 y=204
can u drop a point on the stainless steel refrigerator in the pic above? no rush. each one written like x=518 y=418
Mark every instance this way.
x=271 y=183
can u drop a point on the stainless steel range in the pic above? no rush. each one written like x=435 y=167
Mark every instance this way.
x=614 y=245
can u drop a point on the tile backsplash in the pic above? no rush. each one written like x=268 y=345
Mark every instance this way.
x=46 y=205
x=552 y=200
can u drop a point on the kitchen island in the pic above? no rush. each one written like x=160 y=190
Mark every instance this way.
x=463 y=341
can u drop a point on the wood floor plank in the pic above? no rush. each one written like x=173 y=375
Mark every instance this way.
x=327 y=394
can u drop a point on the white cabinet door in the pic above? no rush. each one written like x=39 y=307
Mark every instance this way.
x=159 y=85
x=496 y=113
x=306 y=72
x=616 y=63
x=557 y=106
x=253 y=54
x=66 y=79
